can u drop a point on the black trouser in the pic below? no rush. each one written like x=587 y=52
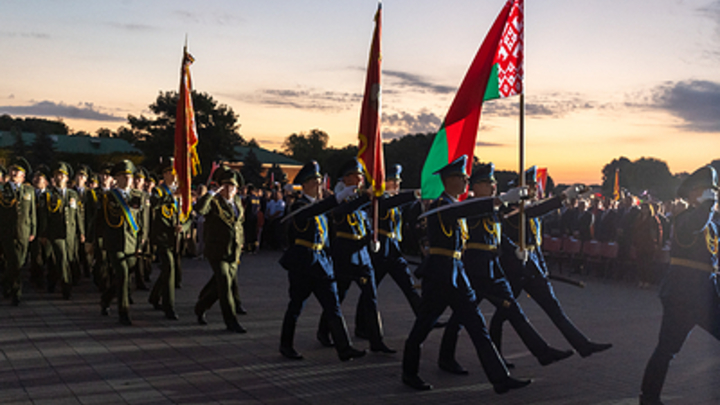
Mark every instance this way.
x=368 y=299
x=325 y=290
x=498 y=292
x=677 y=322
x=540 y=289
x=398 y=269
x=437 y=296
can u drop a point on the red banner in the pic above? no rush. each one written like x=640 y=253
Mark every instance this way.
x=370 y=150
x=187 y=163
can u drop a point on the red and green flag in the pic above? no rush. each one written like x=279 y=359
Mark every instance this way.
x=496 y=72
x=370 y=150
x=187 y=163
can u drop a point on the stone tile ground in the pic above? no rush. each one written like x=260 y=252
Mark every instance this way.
x=63 y=352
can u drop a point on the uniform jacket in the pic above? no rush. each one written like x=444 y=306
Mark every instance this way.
x=695 y=244
x=309 y=239
x=119 y=235
x=60 y=218
x=390 y=223
x=17 y=212
x=447 y=232
x=166 y=217
x=535 y=266
x=485 y=245
x=223 y=229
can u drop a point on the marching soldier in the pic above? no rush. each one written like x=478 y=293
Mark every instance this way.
x=120 y=207
x=223 y=211
x=351 y=258
x=17 y=214
x=82 y=254
x=482 y=265
x=40 y=251
x=531 y=275
x=445 y=283
x=140 y=177
x=165 y=232
x=309 y=265
x=689 y=293
x=252 y=210
x=60 y=223
x=389 y=258
x=102 y=270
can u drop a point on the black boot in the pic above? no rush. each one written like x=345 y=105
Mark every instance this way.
x=510 y=384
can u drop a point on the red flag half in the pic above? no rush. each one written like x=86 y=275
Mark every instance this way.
x=187 y=163
x=370 y=150
x=541 y=178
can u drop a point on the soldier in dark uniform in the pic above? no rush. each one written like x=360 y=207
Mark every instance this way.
x=223 y=234
x=102 y=271
x=252 y=210
x=40 y=251
x=17 y=215
x=690 y=293
x=351 y=257
x=531 y=275
x=445 y=283
x=120 y=207
x=389 y=258
x=148 y=254
x=60 y=224
x=309 y=265
x=82 y=174
x=482 y=265
x=140 y=176
x=165 y=232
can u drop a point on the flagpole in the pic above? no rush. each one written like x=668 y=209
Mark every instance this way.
x=521 y=220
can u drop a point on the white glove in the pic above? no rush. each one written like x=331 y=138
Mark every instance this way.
x=344 y=193
x=521 y=254
x=708 y=195
x=573 y=191
x=375 y=246
x=514 y=195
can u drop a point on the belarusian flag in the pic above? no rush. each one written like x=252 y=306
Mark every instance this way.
x=496 y=72
x=187 y=163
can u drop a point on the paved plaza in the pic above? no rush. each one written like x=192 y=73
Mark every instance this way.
x=63 y=352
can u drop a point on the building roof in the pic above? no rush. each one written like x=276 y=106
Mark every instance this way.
x=265 y=156
x=90 y=145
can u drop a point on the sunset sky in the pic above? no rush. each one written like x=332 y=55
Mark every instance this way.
x=603 y=78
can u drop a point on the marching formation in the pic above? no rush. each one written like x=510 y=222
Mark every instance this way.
x=110 y=226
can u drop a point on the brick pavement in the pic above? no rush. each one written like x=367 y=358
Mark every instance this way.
x=63 y=352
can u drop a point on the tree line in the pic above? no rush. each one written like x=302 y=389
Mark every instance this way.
x=219 y=132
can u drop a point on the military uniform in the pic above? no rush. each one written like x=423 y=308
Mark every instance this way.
x=690 y=293
x=389 y=258
x=17 y=214
x=252 y=210
x=120 y=208
x=481 y=260
x=532 y=276
x=310 y=269
x=445 y=283
x=224 y=241
x=82 y=256
x=352 y=262
x=164 y=234
x=95 y=215
x=60 y=223
x=40 y=249
x=142 y=264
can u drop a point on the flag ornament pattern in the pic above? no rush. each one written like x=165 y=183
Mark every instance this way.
x=496 y=72
x=187 y=163
x=370 y=149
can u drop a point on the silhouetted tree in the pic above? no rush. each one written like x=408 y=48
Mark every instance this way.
x=216 y=125
x=252 y=169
